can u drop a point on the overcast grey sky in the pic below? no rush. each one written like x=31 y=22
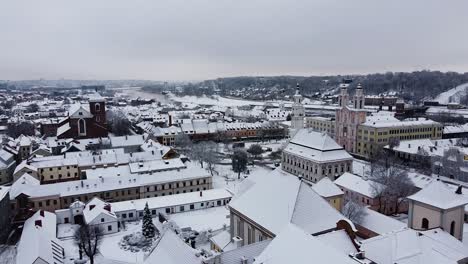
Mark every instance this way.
x=201 y=39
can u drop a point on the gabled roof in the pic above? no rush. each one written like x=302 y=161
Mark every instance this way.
x=293 y=245
x=326 y=188
x=439 y=195
x=380 y=223
x=339 y=240
x=18 y=186
x=38 y=240
x=408 y=246
x=79 y=111
x=282 y=199
x=125 y=141
x=356 y=184
x=172 y=250
x=95 y=208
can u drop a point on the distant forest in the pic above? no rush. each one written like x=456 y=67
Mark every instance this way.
x=415 y=86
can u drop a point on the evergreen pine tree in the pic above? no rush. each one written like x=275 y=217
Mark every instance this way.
x=148 y=228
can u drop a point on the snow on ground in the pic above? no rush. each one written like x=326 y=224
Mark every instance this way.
x=110 y=245
x=224 y=102
x=228 y=179
x=66 y=230
x=214 y=100
x=200 y=220
x=360 y=166
x=452 y=95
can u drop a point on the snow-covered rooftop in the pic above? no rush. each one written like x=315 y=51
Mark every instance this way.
x=38 y=242
x=170 y=249
x=316 y=146
x=414 y=247
x=63 y=189
x=326 y=188
x=172 y=200
x=379 y=223
x=282 y=199
x=293 y=245
x=355 y=183
x=439 y=195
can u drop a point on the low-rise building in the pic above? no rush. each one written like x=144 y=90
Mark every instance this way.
x=72 y=165
x=314 y=155
x=358 y=189
x=4 y=213
x=7 y=166
x=281 y=200
x=433 y=246
x=438 y=206
x=374 y=134
x=330 y=192
x=27 y=194
x=39 y=243
x=321 y=124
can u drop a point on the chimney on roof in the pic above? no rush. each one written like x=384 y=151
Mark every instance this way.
x=126 y=137
x=201 y=193
x=244 y=260
x=131 y=154
x=41 y=213
x=361 y=255
x=161 y=151
x=459 y=190
x=38 y=223
x=152 y=152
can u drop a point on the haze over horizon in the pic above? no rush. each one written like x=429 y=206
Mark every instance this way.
x=180 y=40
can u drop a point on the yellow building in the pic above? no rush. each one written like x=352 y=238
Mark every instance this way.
x=330 y=192
x=321 y=124
x=373 y=135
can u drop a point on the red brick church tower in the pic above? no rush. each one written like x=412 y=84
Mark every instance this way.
x=85 y=122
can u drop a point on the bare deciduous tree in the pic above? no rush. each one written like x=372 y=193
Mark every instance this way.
x=354 y=211
x=390 y=185
x=183 y=143
x=211 y=157
x=450 y=163
x=118 y=123
x=239 y=161
x=88 y=238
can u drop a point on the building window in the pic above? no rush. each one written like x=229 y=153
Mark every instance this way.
x=452 y=228
x=109 y=228
x=182 y=208
x=97 y=107
x=102 y=220
x=81 y=127
x=168 y=210
x=192 y=207
x=425 y=223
